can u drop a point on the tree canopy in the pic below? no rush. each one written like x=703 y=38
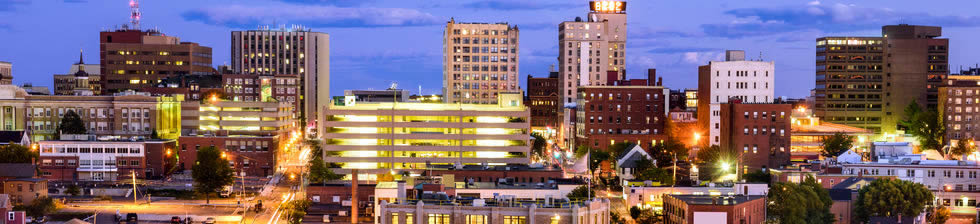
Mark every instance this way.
x=71 y=123
x=211 y=172
x=962 y=147
x=14 y=153
x=938 y=215
x=538 y=146
x=580 y=193
x=891 y=198
x=758 y=176
x=320 y=173
x=836 y=144
x=926 y=125
x=802 y=203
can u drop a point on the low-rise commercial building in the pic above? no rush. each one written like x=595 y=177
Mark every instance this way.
x=759 y=133
x=589 y=212
x=127 y=115
x=653 y=196
x=684 y=209
x=253 y=156
x=394 y=137
x=88 y=159
x=808 y=131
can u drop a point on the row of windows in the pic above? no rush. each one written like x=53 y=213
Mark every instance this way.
x=480 y=32
x=467 y=58
x=90 y=163
x=484 y=86
x=466 y=40
x=619 y=120
x=485 y=68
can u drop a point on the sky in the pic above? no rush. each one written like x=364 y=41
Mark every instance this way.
x=376 y=42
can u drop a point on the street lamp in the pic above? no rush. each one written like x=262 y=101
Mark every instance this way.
x=725 y=166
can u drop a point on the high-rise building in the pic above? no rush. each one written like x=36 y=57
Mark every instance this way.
x=593 y=49
x=385 y=137
x=135 y=59
x=544 y=99
x=82 y=79
x=481 y=61
x=6 y=73
x=734 y=78
x=958 y=104
x=867 y=82
x=297 y=51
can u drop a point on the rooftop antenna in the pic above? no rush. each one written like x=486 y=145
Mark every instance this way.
x=134 y=18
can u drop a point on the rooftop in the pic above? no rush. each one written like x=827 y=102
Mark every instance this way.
x=716 y=200
x=426 y=106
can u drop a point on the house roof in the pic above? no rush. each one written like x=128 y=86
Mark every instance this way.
x=629 y=158
x=840 y=194
x=11 y=136
x=850 y=181
x=17 y=170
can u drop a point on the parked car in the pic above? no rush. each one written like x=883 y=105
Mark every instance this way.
x=175 y=220
x=132 y=218
x=210 y=220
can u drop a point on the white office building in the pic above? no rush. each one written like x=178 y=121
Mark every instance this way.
x=734 y=78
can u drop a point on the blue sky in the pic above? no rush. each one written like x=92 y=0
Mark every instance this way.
x=375 y=42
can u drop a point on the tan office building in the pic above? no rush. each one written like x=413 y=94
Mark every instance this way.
x=481 y=61
x=137 y=59
x=385 y=137
x=592 y=49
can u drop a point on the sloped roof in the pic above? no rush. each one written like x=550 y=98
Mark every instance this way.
x=17 y=170
x=850 y=181
x=11 y=136
x=840 y=194
x=634 y=153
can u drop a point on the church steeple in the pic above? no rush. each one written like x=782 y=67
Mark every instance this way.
x=80 y=60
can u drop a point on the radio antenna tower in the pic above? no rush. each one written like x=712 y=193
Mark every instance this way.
x=134 y=18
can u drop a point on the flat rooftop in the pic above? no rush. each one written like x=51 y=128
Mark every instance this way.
x=716 y=200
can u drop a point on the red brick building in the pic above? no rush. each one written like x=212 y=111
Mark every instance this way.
x=544 y=99
x=84 y=160
x=684 y=209
x=254 y=155
x=624 y=112
x=758 y=132
x=136 y=59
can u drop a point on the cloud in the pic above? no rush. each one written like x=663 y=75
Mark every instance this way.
x=328 y=2
x=675 y=50
x=10 y=5
x=511 y=5
x=702 y=57
x=238 y=16
x=830 y=18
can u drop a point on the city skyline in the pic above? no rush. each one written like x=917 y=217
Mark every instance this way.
x=673 y=37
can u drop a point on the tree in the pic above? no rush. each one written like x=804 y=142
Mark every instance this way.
x=14 y=153
x=211 y=172
x=295 y=210
x=580 y=193
x=926 y=125
x=938 y=215
x=758 y=176
x=635 y=212
x=792 y=203
x=73 y=190
x=71 y=123
x=656 y=174
x=39 y=208
x=963 y=146
x=614 y=217
x=320 y=173
x=537 y=147
x=891 y=198
x=709 y=155
x=836 y=144
x=664 y=152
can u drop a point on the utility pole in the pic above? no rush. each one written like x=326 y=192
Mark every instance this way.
x=134 y=186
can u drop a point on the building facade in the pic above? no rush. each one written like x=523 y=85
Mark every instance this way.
x=760 y=134
x=392 y=137
x=959 y=101
x=125 y=115
x=81 y=79
x=734 y=78
x=590 y=50
x=88 y=159
x=867 y=82
x=253 y=156
x=298 y=52
x=590 y=212
x=610 y=114
x=481 y=61
x=6 y=73
x=221 y=117
x=684 y=209
x=544 y=99
x=262 y=88
x=135 y=59
x=389 y=95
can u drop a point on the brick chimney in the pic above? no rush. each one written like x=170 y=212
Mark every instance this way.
x=652 y=77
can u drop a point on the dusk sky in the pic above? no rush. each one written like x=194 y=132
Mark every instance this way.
x=375 y=42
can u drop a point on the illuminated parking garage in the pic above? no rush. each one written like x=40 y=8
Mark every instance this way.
x=394 y=137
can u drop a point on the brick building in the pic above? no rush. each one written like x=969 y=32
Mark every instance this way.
x=679 y=209
x=625 y=110
x=959 y=101
x=544 y=99
x=758 y=132
x=254 y=155
x=133 y=59
x=92 y=160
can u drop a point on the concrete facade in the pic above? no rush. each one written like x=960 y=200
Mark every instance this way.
x=480 y=61
x=591 y=48
x=735 y=78
x=298 y=52
x=590 y=212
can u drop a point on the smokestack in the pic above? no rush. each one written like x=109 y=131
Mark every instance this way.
x=401 y=192
x=652 y=77
x=353 y=200
x=660 y=81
